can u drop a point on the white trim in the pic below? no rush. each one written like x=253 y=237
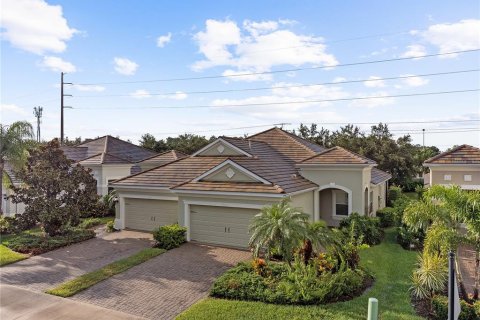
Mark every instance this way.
x=236 y=166
x=469 y=179
x=336 y=186
x=220 y=193
x=120 y=223
x=212 y=144
x=308 y=165
x=136 y=186
x=451 y=165
x=152 y=197
x=302 y=191
x=188 y=203
x=316 y=205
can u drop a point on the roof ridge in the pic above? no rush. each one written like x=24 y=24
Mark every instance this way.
x=115 y=156
x=357 y=154
x=78 y=145
x=287 y=134
x=92 y=156
x=318 y=154
x=442 y=154
x=159 y=154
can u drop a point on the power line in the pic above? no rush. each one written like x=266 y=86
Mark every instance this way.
x=283 y=70
x=391 y=122
x=282 y=87
x=290 y=102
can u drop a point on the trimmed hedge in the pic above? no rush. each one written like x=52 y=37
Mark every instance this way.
x=33 y=243
x=468 y=311
x=393 y=194
x=386 y=217
x=366 y=230
x=170 y=236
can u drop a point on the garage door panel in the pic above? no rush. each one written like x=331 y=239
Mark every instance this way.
x=148 y=214
x=221 y=225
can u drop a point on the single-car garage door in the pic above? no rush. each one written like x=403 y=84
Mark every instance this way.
x=146 y=214
x=221 y=225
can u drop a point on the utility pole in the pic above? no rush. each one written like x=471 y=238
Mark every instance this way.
x=423 y=133
x=37 y=111
x=62 y=106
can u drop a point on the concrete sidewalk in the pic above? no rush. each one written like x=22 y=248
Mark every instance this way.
x=17 y=303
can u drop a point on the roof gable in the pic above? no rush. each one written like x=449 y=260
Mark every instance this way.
x=464 y=154
x=229 y=171
x=221 y=147
x=164 y=157
x=338 y=155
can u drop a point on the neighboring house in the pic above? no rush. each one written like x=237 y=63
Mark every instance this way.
x=157 y=160
x=459 y=166
x=10 y=208
x=109 y=158
x=216 y=191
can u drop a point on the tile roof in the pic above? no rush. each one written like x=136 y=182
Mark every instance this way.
x=337 y=155
x=378 y=176
x=111 y=149
x=229 y=187
x=464 y=154
x=164 y=157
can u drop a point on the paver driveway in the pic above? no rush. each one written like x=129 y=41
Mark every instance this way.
x=44 y=271
x=166 y=285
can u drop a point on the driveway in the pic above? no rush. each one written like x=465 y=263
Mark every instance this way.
x=47 y=270
x=166 y=285
x=17 y=303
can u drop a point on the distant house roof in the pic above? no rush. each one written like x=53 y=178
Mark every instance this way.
x=164 y=157
x=379 y=176
x=464 y=154
x=338 y=155
x=107 y=150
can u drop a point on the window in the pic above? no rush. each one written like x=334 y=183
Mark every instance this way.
x=341 y=203
x=467 y=177
x=447 y=177
x=370 y=206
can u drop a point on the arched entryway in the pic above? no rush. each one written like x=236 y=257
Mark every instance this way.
x=335 y=203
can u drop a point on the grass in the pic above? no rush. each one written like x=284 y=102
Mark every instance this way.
x=7 y=255
x=69 y=288
x=93 y=222
x=391 y=266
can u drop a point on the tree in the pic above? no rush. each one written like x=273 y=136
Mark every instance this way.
x=148 y=141
x=14 y=141
x=472 y=222
x=278 y=226
x=186 y=143
x=54 y=190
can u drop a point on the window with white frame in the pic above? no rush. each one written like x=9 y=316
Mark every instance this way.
x=341 y=203
x=447 y=177
x=467 y=177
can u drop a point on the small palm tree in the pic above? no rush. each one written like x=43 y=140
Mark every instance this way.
x=278 y=226
x=14 y=141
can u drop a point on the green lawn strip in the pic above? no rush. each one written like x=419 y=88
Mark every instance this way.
x=8 y=256
x=391 y=266
x=69 y=288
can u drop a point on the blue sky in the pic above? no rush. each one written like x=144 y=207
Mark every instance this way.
x=106 y=42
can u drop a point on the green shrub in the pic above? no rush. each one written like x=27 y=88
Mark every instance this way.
x=7 y=225
x=89 y=223
x=393 y=194
x=440 y=309
x=362 y=229
x=110 y=226
x=170 y=236
x=33 y=243
x=386 y=217
x=411 y=185
x=409 y=239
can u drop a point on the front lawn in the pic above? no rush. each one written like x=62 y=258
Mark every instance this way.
x=8 y=256
x=391 y=266
x=69 y=288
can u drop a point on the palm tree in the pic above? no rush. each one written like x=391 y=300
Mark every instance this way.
x=278 y=226
x=440 y=213
x=14 y=140
x=472 y=222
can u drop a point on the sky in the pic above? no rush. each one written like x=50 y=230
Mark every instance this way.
x=239 y=67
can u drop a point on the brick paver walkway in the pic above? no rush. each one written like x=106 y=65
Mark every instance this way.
x=467 y=266
x=44 y=271
x=166 y=285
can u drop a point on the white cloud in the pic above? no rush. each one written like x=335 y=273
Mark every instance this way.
x=248 y=77
x=448 y=37
x=12 y=108
x=373 y=102
x=257 y=47
x=58 y=64
x=35 y=26
x=414 y=51
x=125 y=66
x=163 y=40
x=414 y=81
x=374 y=82
x=179 y=95
x=339 y=79
x=140 y=94
x=95 y=88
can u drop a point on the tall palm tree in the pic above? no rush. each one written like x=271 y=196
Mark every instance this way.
x=278 y=226
x=14 y=141
x=472 y=222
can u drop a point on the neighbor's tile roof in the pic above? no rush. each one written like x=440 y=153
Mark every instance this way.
x=229 y=187
x=378 y=176
x=464 y=154
x=164 y=157
x=111 y=149
x=337 y=155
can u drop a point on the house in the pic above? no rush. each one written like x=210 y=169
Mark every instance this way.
x=8 y=206
x=157 y=160
x=459 y=166
x=109 y=158
x=216 y=191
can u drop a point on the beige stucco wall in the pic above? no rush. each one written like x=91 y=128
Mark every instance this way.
x=457 y=173
x=379 y=196
x=104 y=173
x=304 y=201
x=220 y=175
x=8 y=206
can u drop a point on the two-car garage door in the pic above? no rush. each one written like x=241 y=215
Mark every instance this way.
x=221 y=225
x=147 y=214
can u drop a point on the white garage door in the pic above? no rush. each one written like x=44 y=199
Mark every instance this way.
x=221 y=225
x=146 y=214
